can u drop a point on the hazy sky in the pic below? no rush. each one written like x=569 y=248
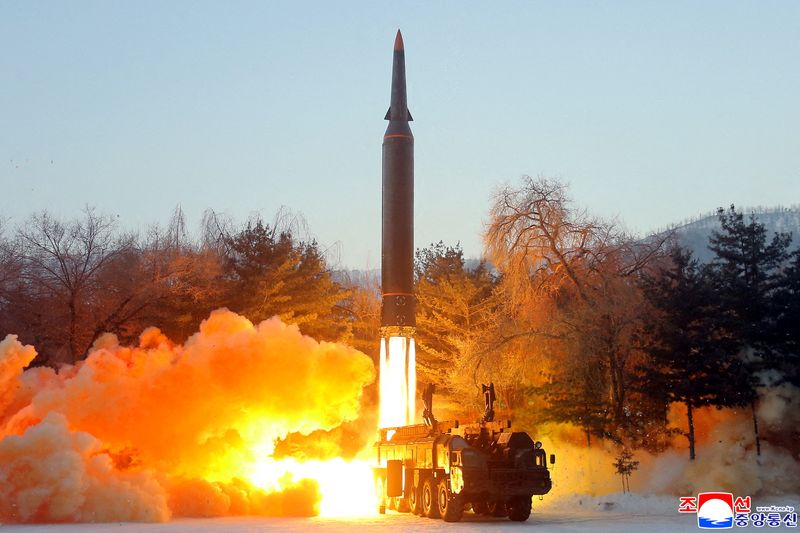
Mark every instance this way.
x=652 y=111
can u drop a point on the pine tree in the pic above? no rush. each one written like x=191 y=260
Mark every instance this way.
x=625 y=466
x=269 y=273
x=692 y=355
x=786 y=308
x=455 y=308
x=746 y=273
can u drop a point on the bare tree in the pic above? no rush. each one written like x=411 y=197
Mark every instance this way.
x=65 y=261
x=9 y=263
x=542 y=242
x=215 y=229
x=536 y=236
x=9 y=278
x=181 y=278
x=570 y=277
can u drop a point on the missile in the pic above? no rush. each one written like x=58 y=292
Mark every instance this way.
x=398 y=305
x=398 y=383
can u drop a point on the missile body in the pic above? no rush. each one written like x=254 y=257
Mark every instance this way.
x=398 y=382
x=398 y=304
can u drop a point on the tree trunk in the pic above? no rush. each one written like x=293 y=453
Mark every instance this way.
x=617 y=395
x=691 y=431
x=755 y=427
x=73 y=327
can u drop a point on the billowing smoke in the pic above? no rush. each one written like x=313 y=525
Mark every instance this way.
x=727 y=457
x=157 y=430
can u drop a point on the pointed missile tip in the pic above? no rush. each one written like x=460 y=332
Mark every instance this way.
x=398 y=41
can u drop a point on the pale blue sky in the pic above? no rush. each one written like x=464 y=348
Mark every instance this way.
x=652 y=111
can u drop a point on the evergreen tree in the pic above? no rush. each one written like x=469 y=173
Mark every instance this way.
x=787 y=320
x=455 y=308
x=269 y=274
x=746 y=272
x=625 y=466
x=693 y=357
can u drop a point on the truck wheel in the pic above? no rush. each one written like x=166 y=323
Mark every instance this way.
x=451 y=506
x=498 y=509
x=519 y=508
x=429 y=507
x=414 y=502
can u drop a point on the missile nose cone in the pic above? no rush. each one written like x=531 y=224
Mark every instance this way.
x=398 y=42
x=398 y=109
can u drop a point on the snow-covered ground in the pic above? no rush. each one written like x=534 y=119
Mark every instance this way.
x=615 y=513
x=543 y=522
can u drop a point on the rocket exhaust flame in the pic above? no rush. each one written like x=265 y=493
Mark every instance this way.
x=397 y=381
x=346 y=487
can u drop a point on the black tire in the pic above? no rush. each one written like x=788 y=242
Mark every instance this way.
x=498 y=509
x=428 y=497
x=519 y=508
x=414 y=502
x=480 y=507
x=451 y=506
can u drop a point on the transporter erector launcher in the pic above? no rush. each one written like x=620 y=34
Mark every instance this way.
x=398 y=304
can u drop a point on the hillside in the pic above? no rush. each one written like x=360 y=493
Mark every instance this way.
x=694 y=234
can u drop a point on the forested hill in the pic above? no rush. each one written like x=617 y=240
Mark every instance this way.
x=694 y=234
